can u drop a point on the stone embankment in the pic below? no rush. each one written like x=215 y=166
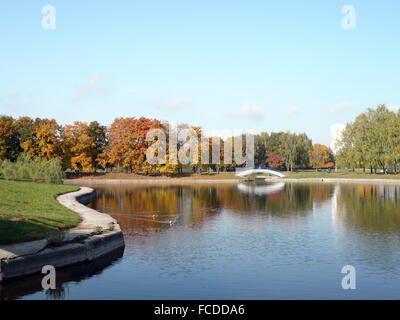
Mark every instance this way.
x=97 y=235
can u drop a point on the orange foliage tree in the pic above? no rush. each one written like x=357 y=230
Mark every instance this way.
x=320 y=156
x=127 y=143
x=275 y=160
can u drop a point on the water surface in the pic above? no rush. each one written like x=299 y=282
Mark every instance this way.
x=246 y=241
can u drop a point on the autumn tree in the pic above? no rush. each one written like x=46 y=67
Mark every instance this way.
x=79 y=147
x=171 y=136
x=13 y=133
x=196 y=134
x=183 y=141
x=45 y=141
x=319 y=156
x=274 y=160
x=128 y=145
x=9 y=142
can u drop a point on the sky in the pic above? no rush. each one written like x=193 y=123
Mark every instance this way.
x=248 y=65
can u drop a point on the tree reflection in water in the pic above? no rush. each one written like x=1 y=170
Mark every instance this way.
x=145 y=208
x=372 y=208
x=366 y=221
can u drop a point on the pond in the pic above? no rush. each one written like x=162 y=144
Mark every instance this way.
x=241 y=241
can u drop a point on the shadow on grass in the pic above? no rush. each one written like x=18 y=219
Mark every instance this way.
x=21 y=231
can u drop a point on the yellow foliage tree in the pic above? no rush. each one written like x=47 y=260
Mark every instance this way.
x=79 y=146
x=319 y=156
x=45 y=141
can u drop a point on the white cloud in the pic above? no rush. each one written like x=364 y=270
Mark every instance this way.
x=292 y=111
x=175 y=104
x=249 y=111
x=340 y=107
x=90 y=87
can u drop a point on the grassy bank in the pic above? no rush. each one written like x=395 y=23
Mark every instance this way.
x=30 y=211
x=358 y=174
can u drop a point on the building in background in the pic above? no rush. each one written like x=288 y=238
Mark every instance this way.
x=336 y=133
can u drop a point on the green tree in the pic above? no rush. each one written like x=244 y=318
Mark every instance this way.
x=377 y=137
x=24 y=128
x=360 y=141
x=345 y=156
x=260 y=148
x=295 y=149
x=289 y=150
x=372 y=140
x=99 y=135
x=303 y=151
x=273 y=144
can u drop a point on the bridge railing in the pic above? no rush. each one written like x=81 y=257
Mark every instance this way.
x=238 y=170
x=271 y=169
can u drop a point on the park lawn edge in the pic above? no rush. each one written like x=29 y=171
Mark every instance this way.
x=27 y=223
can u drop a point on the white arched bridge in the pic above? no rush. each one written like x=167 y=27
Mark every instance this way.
x=241 y=172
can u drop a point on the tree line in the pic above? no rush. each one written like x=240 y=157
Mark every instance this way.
x=290 y=151
x=88 y=147
x=371 y=141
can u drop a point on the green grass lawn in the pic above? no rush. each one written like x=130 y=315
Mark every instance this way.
x=30 y=211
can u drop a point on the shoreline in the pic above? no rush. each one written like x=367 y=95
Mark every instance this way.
x=79 y=182
x=343 y=180
x=79 y=245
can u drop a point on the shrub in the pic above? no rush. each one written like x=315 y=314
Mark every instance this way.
x=26 y=168
x=98 y=230
x=111 y=226
x=7 y=170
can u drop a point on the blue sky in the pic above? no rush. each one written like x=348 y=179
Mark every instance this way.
x=259 y=65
